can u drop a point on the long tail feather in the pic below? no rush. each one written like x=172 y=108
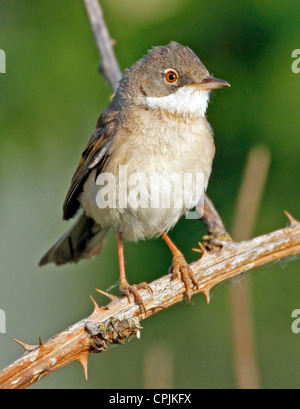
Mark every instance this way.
x=84 y=239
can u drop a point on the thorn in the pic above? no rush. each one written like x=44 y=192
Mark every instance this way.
x=27 y=347
x=292 y=220
x=96 y=306
x=201 y=250
x=83 y=359
x=41 y=344
x=206 y=292
x=112 y=297
x=156 y=307
x=38 y=376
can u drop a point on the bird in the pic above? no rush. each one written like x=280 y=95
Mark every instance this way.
x=153 y=133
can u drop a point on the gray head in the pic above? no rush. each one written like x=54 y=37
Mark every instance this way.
x=162 y=72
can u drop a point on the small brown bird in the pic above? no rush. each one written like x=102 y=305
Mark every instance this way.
x=130 y=176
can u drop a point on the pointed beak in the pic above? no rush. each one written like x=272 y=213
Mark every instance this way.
x=211 y=83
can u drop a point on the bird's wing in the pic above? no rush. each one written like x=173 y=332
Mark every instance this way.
x=94 y=155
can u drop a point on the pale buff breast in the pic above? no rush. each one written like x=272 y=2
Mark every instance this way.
x=173 y=149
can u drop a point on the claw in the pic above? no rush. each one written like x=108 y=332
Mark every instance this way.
x=127 y=290
x=181 y=270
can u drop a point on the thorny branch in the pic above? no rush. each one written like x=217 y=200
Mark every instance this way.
x=109 y=64
x=120 y=319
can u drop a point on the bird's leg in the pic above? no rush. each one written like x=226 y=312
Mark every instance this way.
x=125 y=287
x=180 y=268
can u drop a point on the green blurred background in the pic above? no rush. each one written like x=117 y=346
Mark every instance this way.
x=51 y=96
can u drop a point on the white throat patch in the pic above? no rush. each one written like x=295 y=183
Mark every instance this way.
x=188 y=101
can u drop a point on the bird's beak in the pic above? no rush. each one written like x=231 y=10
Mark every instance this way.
x=211 y=83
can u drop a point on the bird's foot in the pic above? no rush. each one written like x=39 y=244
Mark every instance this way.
x=182 y=271
x=127 y=289
x=213 y=242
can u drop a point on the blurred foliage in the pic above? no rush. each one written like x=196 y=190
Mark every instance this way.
x=51 y=97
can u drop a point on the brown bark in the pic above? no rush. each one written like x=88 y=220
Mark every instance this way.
x=120 y=319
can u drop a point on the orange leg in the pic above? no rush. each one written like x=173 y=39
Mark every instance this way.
x=125 y=287
x=123 y=280
x=180 y=268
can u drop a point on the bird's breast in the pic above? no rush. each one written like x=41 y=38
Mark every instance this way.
x=152 y=177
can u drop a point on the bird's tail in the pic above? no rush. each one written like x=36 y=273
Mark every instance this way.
x=84 y=239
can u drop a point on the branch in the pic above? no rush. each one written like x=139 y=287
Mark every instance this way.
x=120 y=319
x=215 y=227
x=109 y=65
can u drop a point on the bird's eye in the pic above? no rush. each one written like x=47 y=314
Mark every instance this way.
x=170 y=76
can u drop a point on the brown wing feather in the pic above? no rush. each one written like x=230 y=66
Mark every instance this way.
x=99 y=140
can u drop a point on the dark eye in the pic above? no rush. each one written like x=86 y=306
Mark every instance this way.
x=171 y=76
